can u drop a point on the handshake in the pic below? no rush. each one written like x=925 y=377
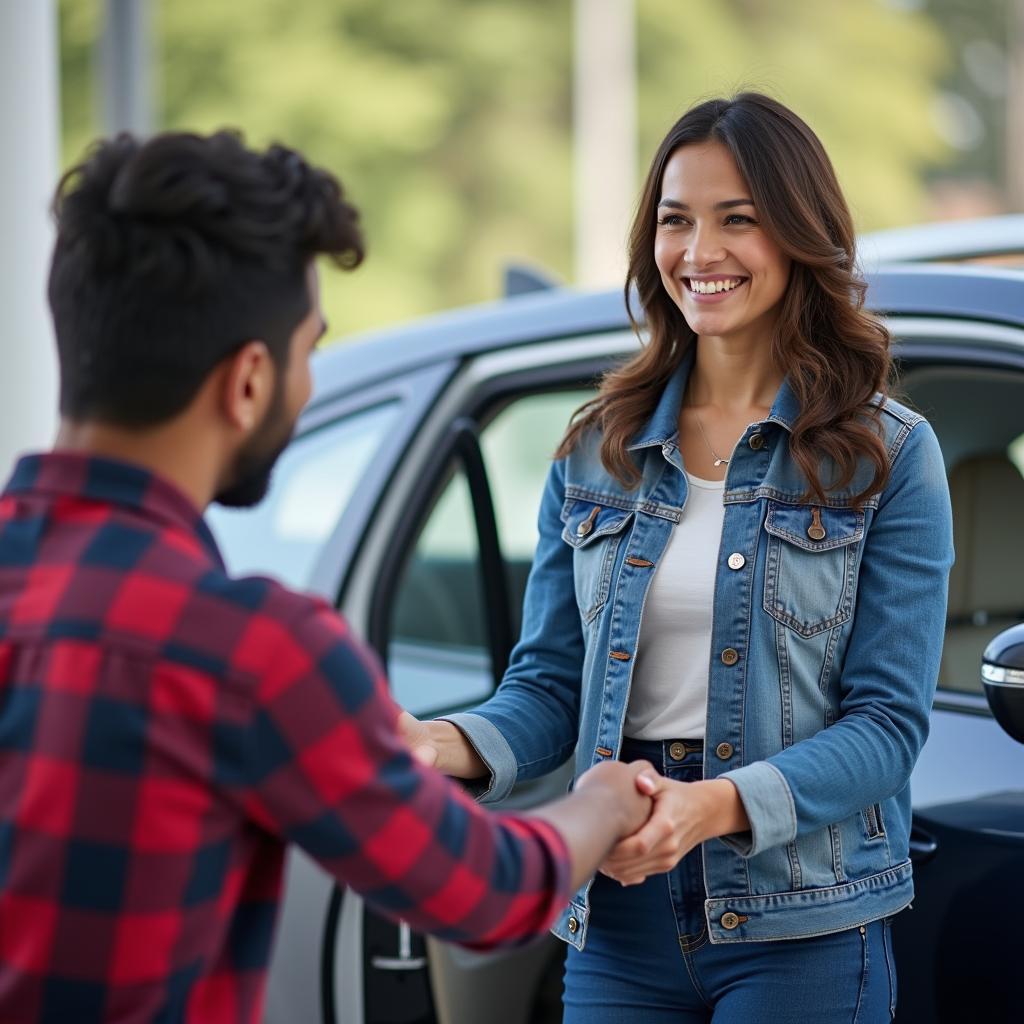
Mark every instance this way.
x=625 y=820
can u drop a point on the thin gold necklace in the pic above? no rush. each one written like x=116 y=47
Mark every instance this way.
x=719 y=461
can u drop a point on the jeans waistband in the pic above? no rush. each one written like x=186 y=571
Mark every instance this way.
x=660 y=753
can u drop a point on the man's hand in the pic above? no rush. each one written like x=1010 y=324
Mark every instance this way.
x=606 y=804
x=442 y=746
x=626 y=795
x=685 y=814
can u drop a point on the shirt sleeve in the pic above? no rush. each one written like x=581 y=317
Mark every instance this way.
x=326 y=769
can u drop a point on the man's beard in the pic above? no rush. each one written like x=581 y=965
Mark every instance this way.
x=254 y=464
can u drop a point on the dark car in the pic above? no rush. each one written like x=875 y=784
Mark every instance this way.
x=408 y=499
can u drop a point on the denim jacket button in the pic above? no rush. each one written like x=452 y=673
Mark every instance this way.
x=724 y=751
x=730 y=921
x=756 y=442
x=573 y=925
x=588 y=524
x=816 y=531
x=736 y=561
x=730 y=656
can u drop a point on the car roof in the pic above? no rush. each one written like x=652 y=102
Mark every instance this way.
x=980 y=238
x=971 y=293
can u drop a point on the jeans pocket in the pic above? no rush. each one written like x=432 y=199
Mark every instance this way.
x=890 y=962
x=877 y=999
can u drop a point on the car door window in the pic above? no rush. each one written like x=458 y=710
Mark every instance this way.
x=976 y=416
x=438 y=654
x=312 y=484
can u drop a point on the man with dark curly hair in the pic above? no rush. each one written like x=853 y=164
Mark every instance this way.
x=165 y=729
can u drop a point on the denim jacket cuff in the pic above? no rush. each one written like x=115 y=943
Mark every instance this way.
x=495 y=753
x=769 y=805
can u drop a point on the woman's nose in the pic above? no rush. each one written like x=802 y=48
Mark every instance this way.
x=704 y=248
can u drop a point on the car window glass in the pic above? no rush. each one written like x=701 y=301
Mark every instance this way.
x=312 y=484
x=1015 y=451
x=976 y=416
x=438 y=656
x=518 y=446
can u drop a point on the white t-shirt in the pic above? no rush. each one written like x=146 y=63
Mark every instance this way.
x=668 y=698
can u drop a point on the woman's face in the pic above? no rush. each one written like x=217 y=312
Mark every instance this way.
x=716 y=261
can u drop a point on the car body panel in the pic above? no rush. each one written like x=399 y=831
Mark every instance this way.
x=953 y=241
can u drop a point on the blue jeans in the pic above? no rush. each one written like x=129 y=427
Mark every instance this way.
x=648 y=959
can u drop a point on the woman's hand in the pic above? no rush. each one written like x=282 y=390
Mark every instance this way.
x=442 y=746
x=684 y=815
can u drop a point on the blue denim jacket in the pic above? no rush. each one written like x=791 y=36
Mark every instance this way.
x=826 y=639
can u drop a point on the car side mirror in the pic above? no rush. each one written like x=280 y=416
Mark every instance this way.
x=1002 y=673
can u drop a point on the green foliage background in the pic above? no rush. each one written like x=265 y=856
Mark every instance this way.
x=449 y=121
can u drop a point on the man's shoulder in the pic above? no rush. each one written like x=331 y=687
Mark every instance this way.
x=266 y=601
x=279 y=623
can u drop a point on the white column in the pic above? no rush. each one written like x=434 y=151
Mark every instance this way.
x=29 y=126
x=604 y=116
x=126 y=65
x=1014 y=156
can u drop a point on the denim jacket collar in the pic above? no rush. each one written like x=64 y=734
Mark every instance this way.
x=663 y=426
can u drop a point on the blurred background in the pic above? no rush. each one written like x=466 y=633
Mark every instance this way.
x=475 y=133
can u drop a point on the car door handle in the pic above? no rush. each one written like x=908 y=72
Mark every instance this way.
x=405 y=961
x=923 y=846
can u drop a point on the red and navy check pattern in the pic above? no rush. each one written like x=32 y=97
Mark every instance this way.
x=165 y=730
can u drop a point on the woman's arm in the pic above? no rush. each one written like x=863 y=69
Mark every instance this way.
x=889 y=672
x=439 y=744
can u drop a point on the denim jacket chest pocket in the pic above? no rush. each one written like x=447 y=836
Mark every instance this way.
x=595 y=533
x=811 y=565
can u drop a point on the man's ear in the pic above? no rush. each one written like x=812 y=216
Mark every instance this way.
x=248 y=385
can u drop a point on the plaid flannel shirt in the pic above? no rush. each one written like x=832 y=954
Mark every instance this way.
x=165 y=730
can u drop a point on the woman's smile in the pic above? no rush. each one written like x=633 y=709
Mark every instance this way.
x=712 y=288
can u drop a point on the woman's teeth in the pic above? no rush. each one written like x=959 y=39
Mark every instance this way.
x=710 y=287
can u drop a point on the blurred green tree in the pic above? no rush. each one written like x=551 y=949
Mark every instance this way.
x=862 y=73
x=449 y=121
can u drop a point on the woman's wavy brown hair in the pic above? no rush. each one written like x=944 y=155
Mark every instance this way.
x=835 y=354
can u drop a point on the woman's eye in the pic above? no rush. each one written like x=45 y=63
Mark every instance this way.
x=739 y=218
x=670 y=220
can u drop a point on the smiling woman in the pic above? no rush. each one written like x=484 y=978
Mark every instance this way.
x=731 y=537
x=742 y=192
x=716 y=260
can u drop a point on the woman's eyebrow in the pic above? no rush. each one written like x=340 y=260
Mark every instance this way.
x=725 y=204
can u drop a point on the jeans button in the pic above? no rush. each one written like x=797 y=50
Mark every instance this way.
x=724 y=751
x=730 y=920
x=736 y=561
x=677 y=751
x=574 y=925
x=730 y=656
x=756 y=442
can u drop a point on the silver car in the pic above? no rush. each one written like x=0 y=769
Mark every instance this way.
x=408 y=499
